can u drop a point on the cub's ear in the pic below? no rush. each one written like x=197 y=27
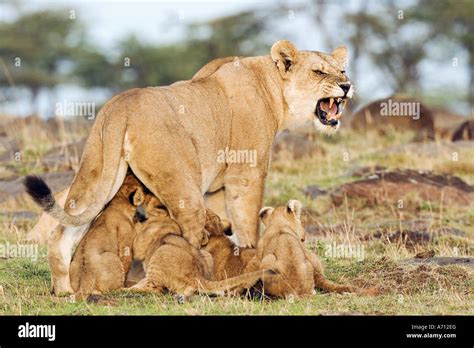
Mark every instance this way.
x=341 y=55
x=284 y=54
x=265 y=214
x=137 y=197
x=214 y=225
x=295 y=207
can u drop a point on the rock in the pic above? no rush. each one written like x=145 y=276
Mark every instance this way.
x=409 y=233
x=443 y=261
x=419 y=225
x=401 y=116
x=408 y=238
x=391 y=186
x=464 y=132
x=363 y=171
x=314 y=192
x=425 y=254
x=446 y=122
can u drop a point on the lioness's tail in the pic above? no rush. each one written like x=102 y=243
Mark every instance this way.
x=245 y=281
x=102 y=155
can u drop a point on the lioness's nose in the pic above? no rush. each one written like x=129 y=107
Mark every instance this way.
x=345 y=87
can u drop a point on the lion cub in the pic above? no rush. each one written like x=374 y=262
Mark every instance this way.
x=298 y=271
x=229 y=259
x=103 y=257
x=172 y=263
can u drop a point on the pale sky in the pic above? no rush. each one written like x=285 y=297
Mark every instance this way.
x=162 y=22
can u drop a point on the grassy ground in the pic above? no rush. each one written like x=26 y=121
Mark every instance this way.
x=405 y=288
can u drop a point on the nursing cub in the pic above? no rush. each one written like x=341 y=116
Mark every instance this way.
x=172 y=264
x=298 y=271
x=229 y=259
x=103 y=257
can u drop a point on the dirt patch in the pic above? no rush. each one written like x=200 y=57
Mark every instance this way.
x=391 y=186
x=443 y=261
x=314 y=191
x=410 y=233
x=407 y=279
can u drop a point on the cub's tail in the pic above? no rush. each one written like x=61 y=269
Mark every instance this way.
x=245 y=281
x=322 y=283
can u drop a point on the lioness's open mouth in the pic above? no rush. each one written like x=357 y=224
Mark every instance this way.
x=329 y=110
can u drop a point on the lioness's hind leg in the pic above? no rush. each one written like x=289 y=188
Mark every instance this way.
x=60 y=250
x=180 y=194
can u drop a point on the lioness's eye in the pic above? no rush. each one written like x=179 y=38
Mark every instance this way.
x=319 y=72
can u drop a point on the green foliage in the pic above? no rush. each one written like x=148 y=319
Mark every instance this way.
x=36 y=48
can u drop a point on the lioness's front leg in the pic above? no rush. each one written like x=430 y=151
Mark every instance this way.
x=243 y=196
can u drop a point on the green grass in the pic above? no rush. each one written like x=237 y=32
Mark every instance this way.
x=25 y=290
x=404 y=289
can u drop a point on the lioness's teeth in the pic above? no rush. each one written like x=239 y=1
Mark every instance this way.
x=344 y=103
x=339 y=100
x=331 y=101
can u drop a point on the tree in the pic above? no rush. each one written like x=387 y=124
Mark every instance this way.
x=35 y=50
x=453 y=20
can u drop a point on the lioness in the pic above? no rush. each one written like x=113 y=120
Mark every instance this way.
x=103 y=257
x=174 y=139
x=171 y=263
x=298 y=270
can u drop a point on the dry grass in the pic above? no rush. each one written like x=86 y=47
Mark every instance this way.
x=405 y=288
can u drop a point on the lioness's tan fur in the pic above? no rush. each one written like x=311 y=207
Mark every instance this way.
x=102 y=259
x=171 y=138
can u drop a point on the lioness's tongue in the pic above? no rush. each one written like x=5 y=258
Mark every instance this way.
x=331 y=110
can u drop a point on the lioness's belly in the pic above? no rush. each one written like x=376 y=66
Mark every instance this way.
x=184 y=131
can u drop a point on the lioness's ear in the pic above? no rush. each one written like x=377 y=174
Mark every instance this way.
x=137 y=197
x=295 y=207
x=284 y=54
x=341 y=55
x=265 y=214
